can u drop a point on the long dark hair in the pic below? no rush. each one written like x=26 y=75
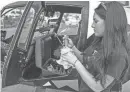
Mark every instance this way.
x=115 y=34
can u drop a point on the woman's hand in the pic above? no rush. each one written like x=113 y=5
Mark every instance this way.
x=67 y=42
x=70 y=57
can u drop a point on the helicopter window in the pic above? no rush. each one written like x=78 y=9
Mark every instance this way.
x=69 y=24
x=9 y=22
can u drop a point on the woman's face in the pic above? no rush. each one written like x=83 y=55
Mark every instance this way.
x=98 y=25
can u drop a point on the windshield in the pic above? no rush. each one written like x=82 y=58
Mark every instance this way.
x=69 y=24
x=26 y=28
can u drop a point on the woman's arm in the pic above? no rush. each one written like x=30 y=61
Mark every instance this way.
x=87 y=77
x=90 y=80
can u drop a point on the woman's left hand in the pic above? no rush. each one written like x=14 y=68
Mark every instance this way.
x=70 y=57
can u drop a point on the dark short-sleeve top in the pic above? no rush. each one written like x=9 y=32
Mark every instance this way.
x=117 y=62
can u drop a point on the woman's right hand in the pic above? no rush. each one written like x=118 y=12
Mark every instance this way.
x=67 y=42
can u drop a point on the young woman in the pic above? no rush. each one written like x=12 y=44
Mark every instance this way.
x=105 y=61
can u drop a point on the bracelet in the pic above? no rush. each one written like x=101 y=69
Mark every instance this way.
x=75 y=62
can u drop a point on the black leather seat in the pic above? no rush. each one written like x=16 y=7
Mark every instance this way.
x=42 y=50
